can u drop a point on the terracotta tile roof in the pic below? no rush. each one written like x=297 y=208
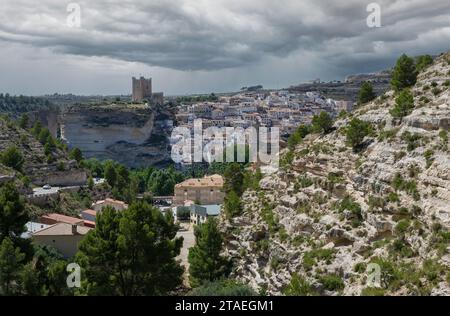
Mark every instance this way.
x=90 y=224
x=59 y=218
x=212 y=181
x=111 y=201
x=90 y=212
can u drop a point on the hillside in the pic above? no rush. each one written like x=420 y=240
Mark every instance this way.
x=332 y=212
x=54 y=169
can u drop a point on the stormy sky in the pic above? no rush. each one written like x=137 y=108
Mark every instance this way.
x=202 y=46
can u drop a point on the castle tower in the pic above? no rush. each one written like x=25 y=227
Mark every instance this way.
x=142 y=89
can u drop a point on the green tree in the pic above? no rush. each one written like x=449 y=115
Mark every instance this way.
x=110 y=174
x=161 y=182
x=205 y=261
x=50 y=268
x=298 y=135
x=131 y=252
x=13 y=158
x=232 y=204
x=356 y=131
x=37 y=128
x=43 y=135
x=11 y=262
x=404 y=104
x=90 y=183
x=404 y=74
x=13 y=215
x=423 y=62
x=366 y=93
x=234 y=179
x=76 y=154
x=322 y=123
x=23 y=122
x=29 y=281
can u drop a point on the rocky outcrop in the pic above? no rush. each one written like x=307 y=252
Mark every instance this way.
x=334 y=216
x=134 y=135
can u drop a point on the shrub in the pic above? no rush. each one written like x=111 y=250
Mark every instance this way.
x=428 y=155
x=423 y=62
x=402 y=226
x=412 y=140
x=332 y=282
x=13 y=158
x=310 y=258
x=356 y=131
x=404 y=103
x=322 y=123
x=436 y=91
x=298 y=287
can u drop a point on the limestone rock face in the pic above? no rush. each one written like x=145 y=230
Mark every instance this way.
x=134 y=135
x=334 y=216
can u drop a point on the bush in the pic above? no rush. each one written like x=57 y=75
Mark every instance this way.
x=13 y=158
x=310 y=258
x=423 y=62
x=298 y=287
x=332 y=282
x=297 y=136
x=356 y=131
x=322 y=123
x=402 y=226
x=404 y=103
x=428 y=155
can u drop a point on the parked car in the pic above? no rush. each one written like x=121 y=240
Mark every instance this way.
x=47 y=187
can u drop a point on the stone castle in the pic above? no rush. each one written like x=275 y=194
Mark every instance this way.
x=142 y=90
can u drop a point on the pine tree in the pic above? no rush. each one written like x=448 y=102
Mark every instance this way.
x=423 y=62
x=404 y=104
x=10 y=266
x=23 y=122
x=234 y=179
x=131 y=252
x=356 y=131
x=366 y=93
x=76 y=154
x=13 y=215
x=232 y=204
x=322 y=123
x=404 y=74
x=205 y=261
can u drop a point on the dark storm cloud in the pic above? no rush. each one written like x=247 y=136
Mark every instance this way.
x=211 y=35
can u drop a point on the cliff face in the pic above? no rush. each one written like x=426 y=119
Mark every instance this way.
x=134 y=135
x=333 y=212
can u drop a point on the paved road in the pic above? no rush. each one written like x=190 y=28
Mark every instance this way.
x=41 y=191
x=189 y=241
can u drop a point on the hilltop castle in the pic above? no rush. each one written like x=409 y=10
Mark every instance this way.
x=142 y=90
